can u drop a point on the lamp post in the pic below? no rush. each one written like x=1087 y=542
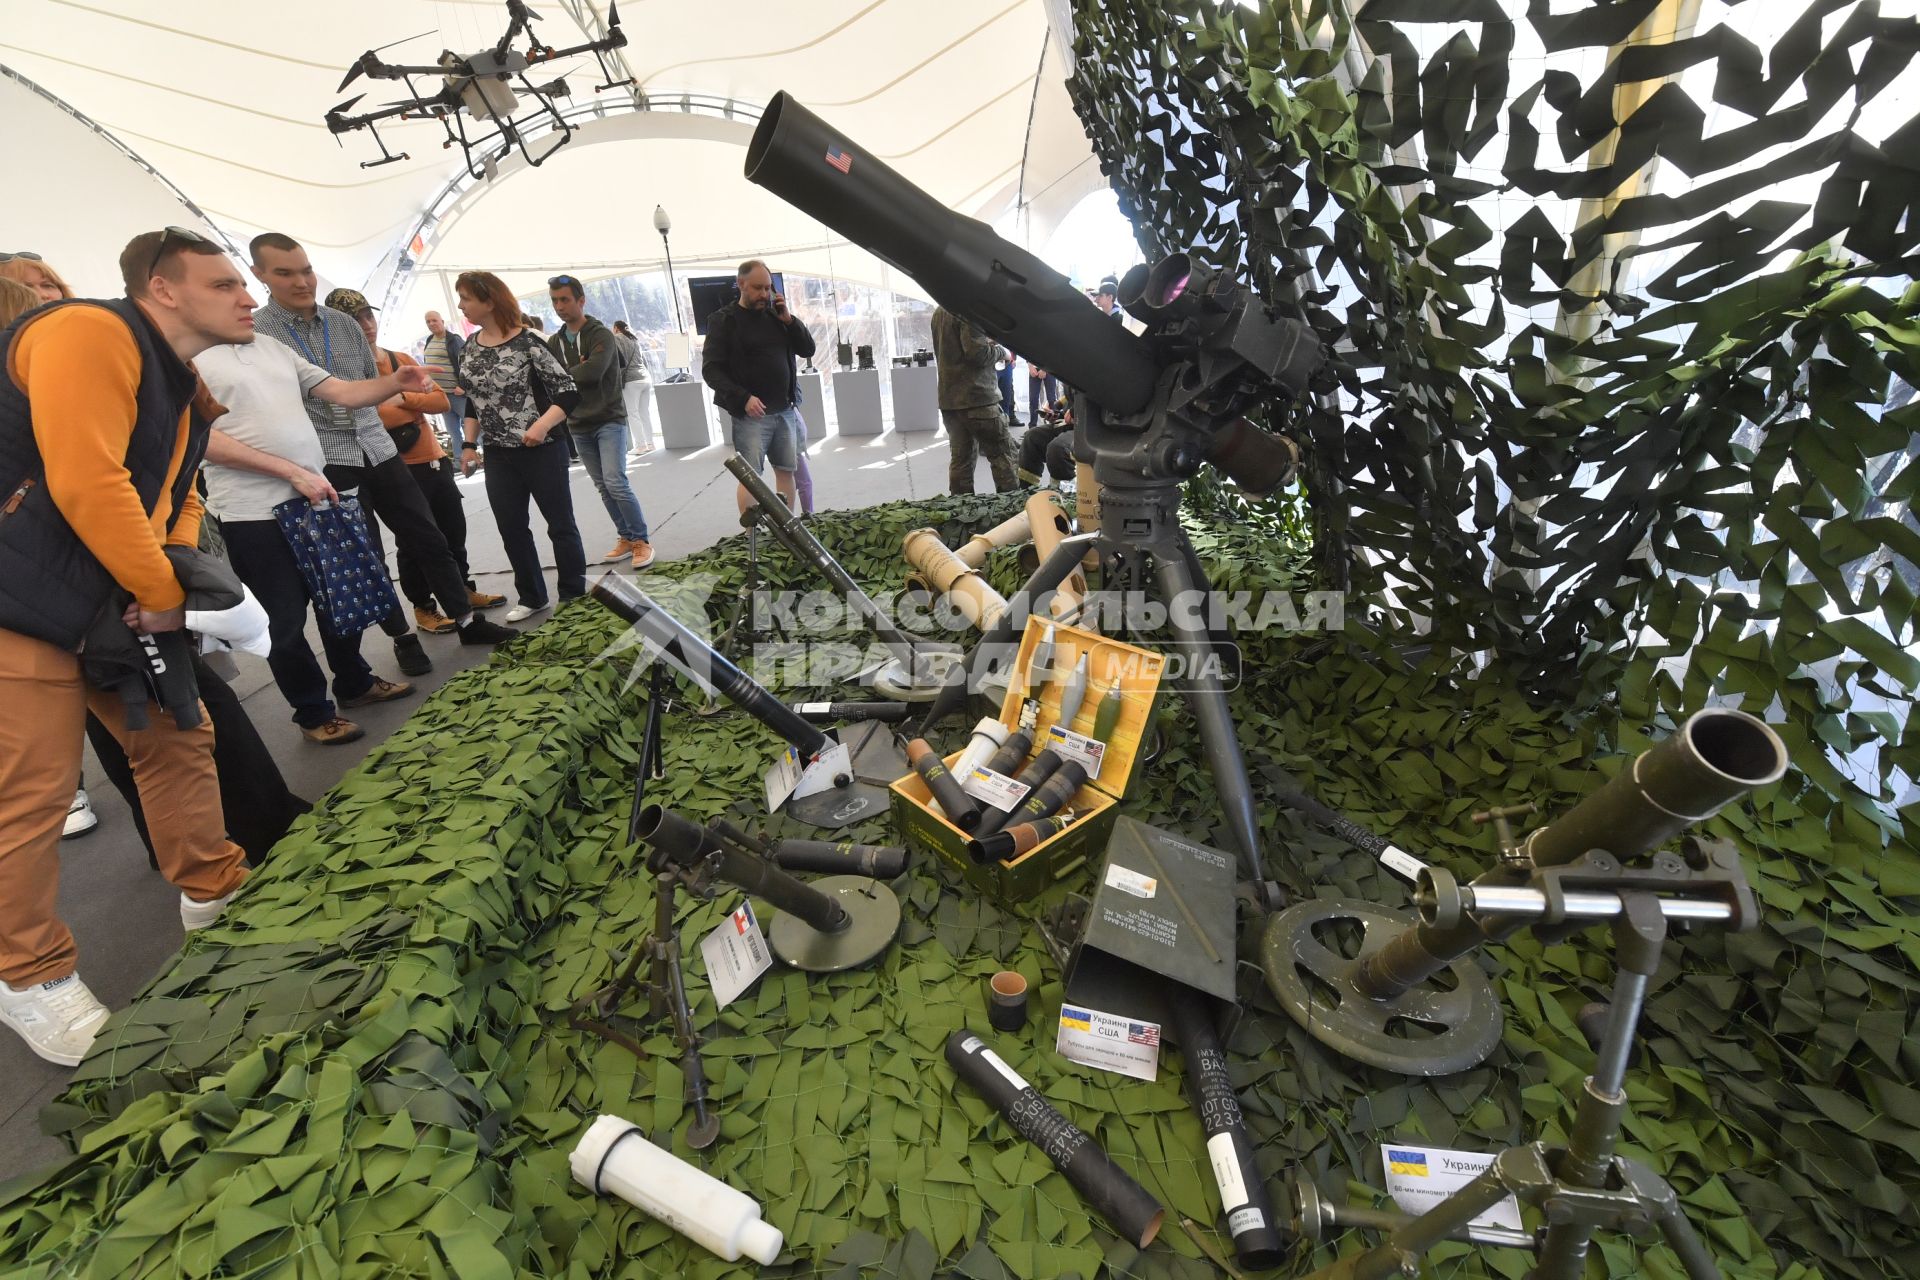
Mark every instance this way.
x=663 y=224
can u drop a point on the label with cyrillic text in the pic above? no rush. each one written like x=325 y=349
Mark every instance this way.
x=1419 y=1178
x=1095 y=1039
x=1084 y=751
x=996 y=789
x=736 y=953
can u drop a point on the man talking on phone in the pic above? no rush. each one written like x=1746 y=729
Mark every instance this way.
x=751 y=361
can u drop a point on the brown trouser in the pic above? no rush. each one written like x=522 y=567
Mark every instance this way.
x=43 y=712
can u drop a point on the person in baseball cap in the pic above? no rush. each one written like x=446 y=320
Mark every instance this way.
x=426 y=457
x=1105 y=295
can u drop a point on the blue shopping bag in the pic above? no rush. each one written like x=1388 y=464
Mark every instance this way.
x=348 y=580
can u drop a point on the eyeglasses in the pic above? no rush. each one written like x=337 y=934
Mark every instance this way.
x=187 y=234
x=554 y=282
x=24 y=253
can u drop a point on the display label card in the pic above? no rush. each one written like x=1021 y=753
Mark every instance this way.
x=1132 y=882
x=782 y=778
x=996 y=789
x=736 y=954
x=1068 y=745
x=1095 y=1039
x=1419 y=1178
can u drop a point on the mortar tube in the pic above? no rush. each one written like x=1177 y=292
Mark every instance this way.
x=1714 y=757
x=1014 y=842
x=705 y=664
x=1008 y=533
x=977 y=601
x=687 y=844
x=799 y=539
x=878 y=861
x=961 y=809
x=1033 y=777
x=1258 y=1240
x=832 y=712
x=1050 y=528
x=1124 y=1203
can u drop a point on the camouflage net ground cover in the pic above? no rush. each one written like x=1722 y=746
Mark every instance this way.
x=364 y=1069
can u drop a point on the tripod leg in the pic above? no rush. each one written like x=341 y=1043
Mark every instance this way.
x=706 y=1126
x=1208 y=702
x=1403 y=1247
x=1684 y=1240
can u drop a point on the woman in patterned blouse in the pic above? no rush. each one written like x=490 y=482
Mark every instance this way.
x=518 y=396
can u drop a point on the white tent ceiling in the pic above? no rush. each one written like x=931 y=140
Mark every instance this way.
x=225 y=99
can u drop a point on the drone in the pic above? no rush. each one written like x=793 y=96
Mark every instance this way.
x=480 y=87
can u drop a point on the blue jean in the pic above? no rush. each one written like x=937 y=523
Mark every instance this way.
x=603 y=452
x=262 y=559
x=772 y=437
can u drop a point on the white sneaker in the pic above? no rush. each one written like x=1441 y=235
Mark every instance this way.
x=80 y=816
x=57 y=1019
x=521 y=612
x=198 y=915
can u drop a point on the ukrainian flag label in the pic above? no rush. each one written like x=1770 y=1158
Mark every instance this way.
x=1078 y=1019
x=1413 y=1163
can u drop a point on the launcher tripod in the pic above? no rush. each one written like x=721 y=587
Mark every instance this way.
x=665 y=987
x=1584 y=867
x=1580 y=1187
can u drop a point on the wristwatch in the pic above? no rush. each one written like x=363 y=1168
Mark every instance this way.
x=469 y=444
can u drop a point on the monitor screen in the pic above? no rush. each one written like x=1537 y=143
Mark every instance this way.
x=710 y=293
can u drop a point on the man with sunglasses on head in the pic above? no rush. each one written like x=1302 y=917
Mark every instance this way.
x=102 y=427
x=359 y=453
x=598 y=424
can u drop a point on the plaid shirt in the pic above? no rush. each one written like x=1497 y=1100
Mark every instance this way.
x=350 y=437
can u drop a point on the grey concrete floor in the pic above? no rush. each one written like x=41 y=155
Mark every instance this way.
x=126 y=918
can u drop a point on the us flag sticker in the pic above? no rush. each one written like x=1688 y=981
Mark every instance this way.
x=839 y=159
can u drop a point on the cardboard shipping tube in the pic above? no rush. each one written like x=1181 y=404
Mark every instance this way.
x=961 y=809
x=1033 y=777
x=1049 y=525
x=1123 y=1202
x=1052 y=795
x=1012 y=753
x=1086 y=505
x=947 y=574
x=1011 y=843
x=1008 y=533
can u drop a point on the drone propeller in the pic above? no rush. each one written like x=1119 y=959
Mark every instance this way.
x=369 y=60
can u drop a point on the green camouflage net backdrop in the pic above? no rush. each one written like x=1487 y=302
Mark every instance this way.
x=1702 y=487
x=364 y=1070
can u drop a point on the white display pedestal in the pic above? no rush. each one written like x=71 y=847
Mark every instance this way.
x=856 y=402
x=916 y=398
x=813 y=405
x=683 y=415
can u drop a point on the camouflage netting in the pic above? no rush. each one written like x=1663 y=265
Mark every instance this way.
x=365 y=1069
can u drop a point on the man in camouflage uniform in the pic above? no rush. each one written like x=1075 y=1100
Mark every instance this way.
x=970 y=403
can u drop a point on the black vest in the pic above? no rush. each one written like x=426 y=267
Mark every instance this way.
x=51 y=587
